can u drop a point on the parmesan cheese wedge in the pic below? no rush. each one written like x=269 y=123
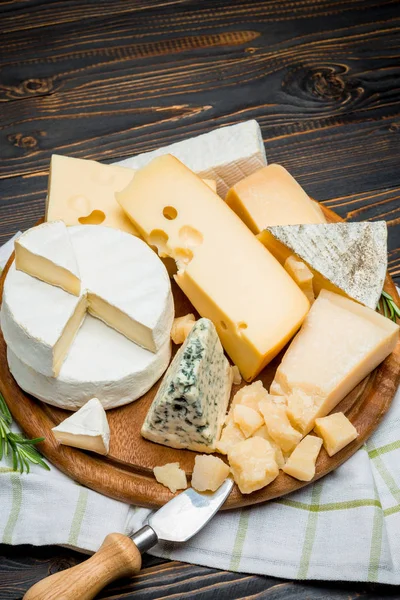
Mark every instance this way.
x=87 y=429
x=336 y=431
x=339 y=344
x=301 y=463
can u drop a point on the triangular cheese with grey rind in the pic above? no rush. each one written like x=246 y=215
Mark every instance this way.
x=349 y=258
x=46 y=252
x=189 y=408
x=87 y=428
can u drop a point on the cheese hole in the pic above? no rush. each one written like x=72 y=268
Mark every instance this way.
x=224 y=325
x=190 y=236
x=96 y=217
x=159 y=239
x=170 y=213
x=183 y=256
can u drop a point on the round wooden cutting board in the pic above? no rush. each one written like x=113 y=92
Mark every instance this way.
x=126 y=473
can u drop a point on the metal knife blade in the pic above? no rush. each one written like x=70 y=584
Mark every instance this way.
x=182 y=517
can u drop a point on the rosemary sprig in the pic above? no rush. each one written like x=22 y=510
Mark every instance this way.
x=388 y=307
x=23 y=451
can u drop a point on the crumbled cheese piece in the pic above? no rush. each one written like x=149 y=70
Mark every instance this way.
x=249 y=395
x=336 y=432
x=181 y=328
x=301 y=463
x=302 y=275
x=172 y=476
x=278 y=425
x=231 y=435
x=209 y=473
x=237 y=378
x=253 y=464
x=280 y=456
x=248 y=419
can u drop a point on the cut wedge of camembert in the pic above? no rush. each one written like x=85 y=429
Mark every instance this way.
x=347 y=258
x=189 y=408
x=46 y=252
x=87 y=429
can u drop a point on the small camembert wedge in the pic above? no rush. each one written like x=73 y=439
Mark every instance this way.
x=339 y=344
x=46 y=252
x=271 y=196
x=176 y=212
x=86 y=429
x=190 y=405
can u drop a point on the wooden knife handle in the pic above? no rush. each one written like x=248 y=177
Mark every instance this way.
x=117 y=557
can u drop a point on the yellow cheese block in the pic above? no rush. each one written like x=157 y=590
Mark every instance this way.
x=82 y=192
x=271 y=196
x=223 y=270
x=253 y=464
x=301 y=463
x=339 y=344
x=302 y=275
x=336 y=431
x=279 y=428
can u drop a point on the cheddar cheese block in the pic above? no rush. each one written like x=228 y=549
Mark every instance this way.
x=339 y=344
x=271 y=196
x=252 y=301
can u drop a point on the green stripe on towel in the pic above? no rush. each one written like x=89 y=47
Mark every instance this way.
x=78 y=517
x=16 y=483
x=311 y=530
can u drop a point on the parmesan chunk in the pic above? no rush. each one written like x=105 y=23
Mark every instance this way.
x=336 y=432
x=279 y=455
x=231 y=435
x=172 y=476
x=278 y=425
x=253 y=464
x=209 y=473
x=302 y=275
x=248 y=419
x=181 y=328
x=249 y=395
x=237 y=378
x=301 y=463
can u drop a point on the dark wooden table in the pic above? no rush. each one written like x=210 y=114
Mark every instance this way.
x=106 y=80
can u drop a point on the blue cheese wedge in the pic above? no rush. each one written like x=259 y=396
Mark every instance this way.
x=346 y=258
x=189 y=408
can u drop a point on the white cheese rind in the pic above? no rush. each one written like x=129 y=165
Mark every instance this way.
x=226 y=154
x=351 y=256
x=46 y=252
x=122 y=271
x=87 y=428
x=190 y=405
x=101 y=363
x=120 y=268
x=34 y=315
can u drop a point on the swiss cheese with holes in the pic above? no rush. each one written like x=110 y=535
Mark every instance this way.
x=228 y=276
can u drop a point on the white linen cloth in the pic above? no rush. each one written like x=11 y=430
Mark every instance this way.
x=344 y=527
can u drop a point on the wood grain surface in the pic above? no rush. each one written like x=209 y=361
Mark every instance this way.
x=126 y=473
x=106 y=80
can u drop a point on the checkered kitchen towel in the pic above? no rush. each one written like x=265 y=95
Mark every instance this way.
x=344 y=527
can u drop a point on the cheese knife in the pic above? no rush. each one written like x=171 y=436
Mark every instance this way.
x=120 y=556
